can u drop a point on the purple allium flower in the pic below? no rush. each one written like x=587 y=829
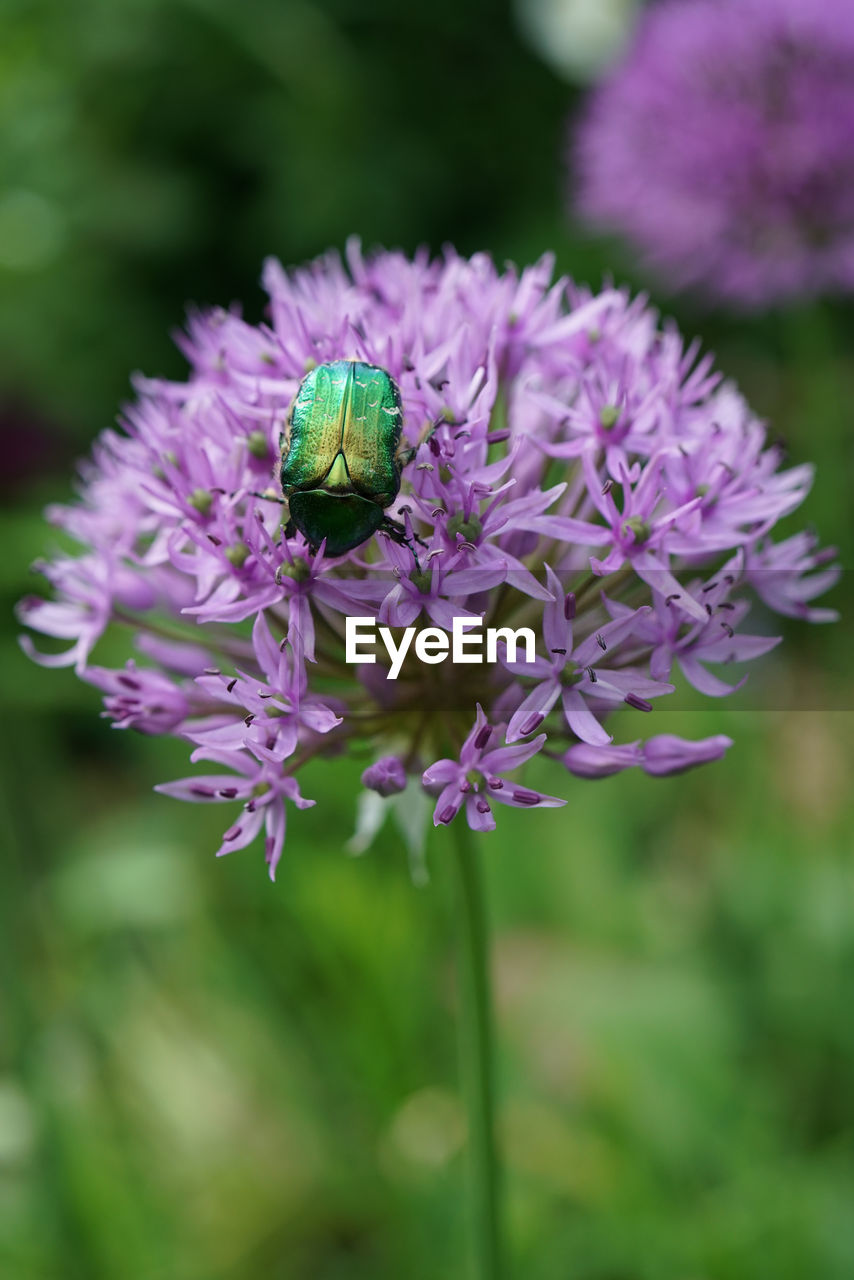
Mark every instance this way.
x=720 y=147
x=474 y=779
x=576 y=480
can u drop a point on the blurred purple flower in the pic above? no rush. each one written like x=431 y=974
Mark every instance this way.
x=142 y=699
x=574 y=467
x=720 y=147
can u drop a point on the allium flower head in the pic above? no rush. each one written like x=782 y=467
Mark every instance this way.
x=572 y=476
x=720 y=147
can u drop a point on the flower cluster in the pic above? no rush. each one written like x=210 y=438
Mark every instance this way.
x=720 y=147
x=571 y=467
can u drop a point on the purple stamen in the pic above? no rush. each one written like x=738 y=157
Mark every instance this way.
x=531 y=724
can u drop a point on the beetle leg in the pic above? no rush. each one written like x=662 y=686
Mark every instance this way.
x=397 y=532
x=269 y=496
x=405 y=454
x=401 y=527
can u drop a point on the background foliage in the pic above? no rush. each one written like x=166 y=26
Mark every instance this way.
x=206 y=1078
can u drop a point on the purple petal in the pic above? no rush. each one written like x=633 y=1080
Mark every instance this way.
x=697 y=675
x=525 y=798
x=207 y=788
x=588 y=761
x=478 y=813
x=581 y=719
x=242 y=833
x=440 y=774
x=448 y=805
x=504 y=759
x=533 y=711
x=667 y=754
x=612 y=633
x=275 y=823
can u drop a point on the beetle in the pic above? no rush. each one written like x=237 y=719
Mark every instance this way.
x=342 y=456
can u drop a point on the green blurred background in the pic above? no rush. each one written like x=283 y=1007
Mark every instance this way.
x=203 y=1077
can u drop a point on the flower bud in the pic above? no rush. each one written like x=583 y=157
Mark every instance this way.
x=387 y=776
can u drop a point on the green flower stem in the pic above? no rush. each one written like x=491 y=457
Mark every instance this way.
x=475 y=1036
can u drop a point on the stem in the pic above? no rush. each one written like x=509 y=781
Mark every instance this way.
x=476 y=1051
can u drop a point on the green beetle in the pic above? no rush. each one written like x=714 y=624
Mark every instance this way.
x=341 y=456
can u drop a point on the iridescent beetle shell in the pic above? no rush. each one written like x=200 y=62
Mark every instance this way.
x=340 y=455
